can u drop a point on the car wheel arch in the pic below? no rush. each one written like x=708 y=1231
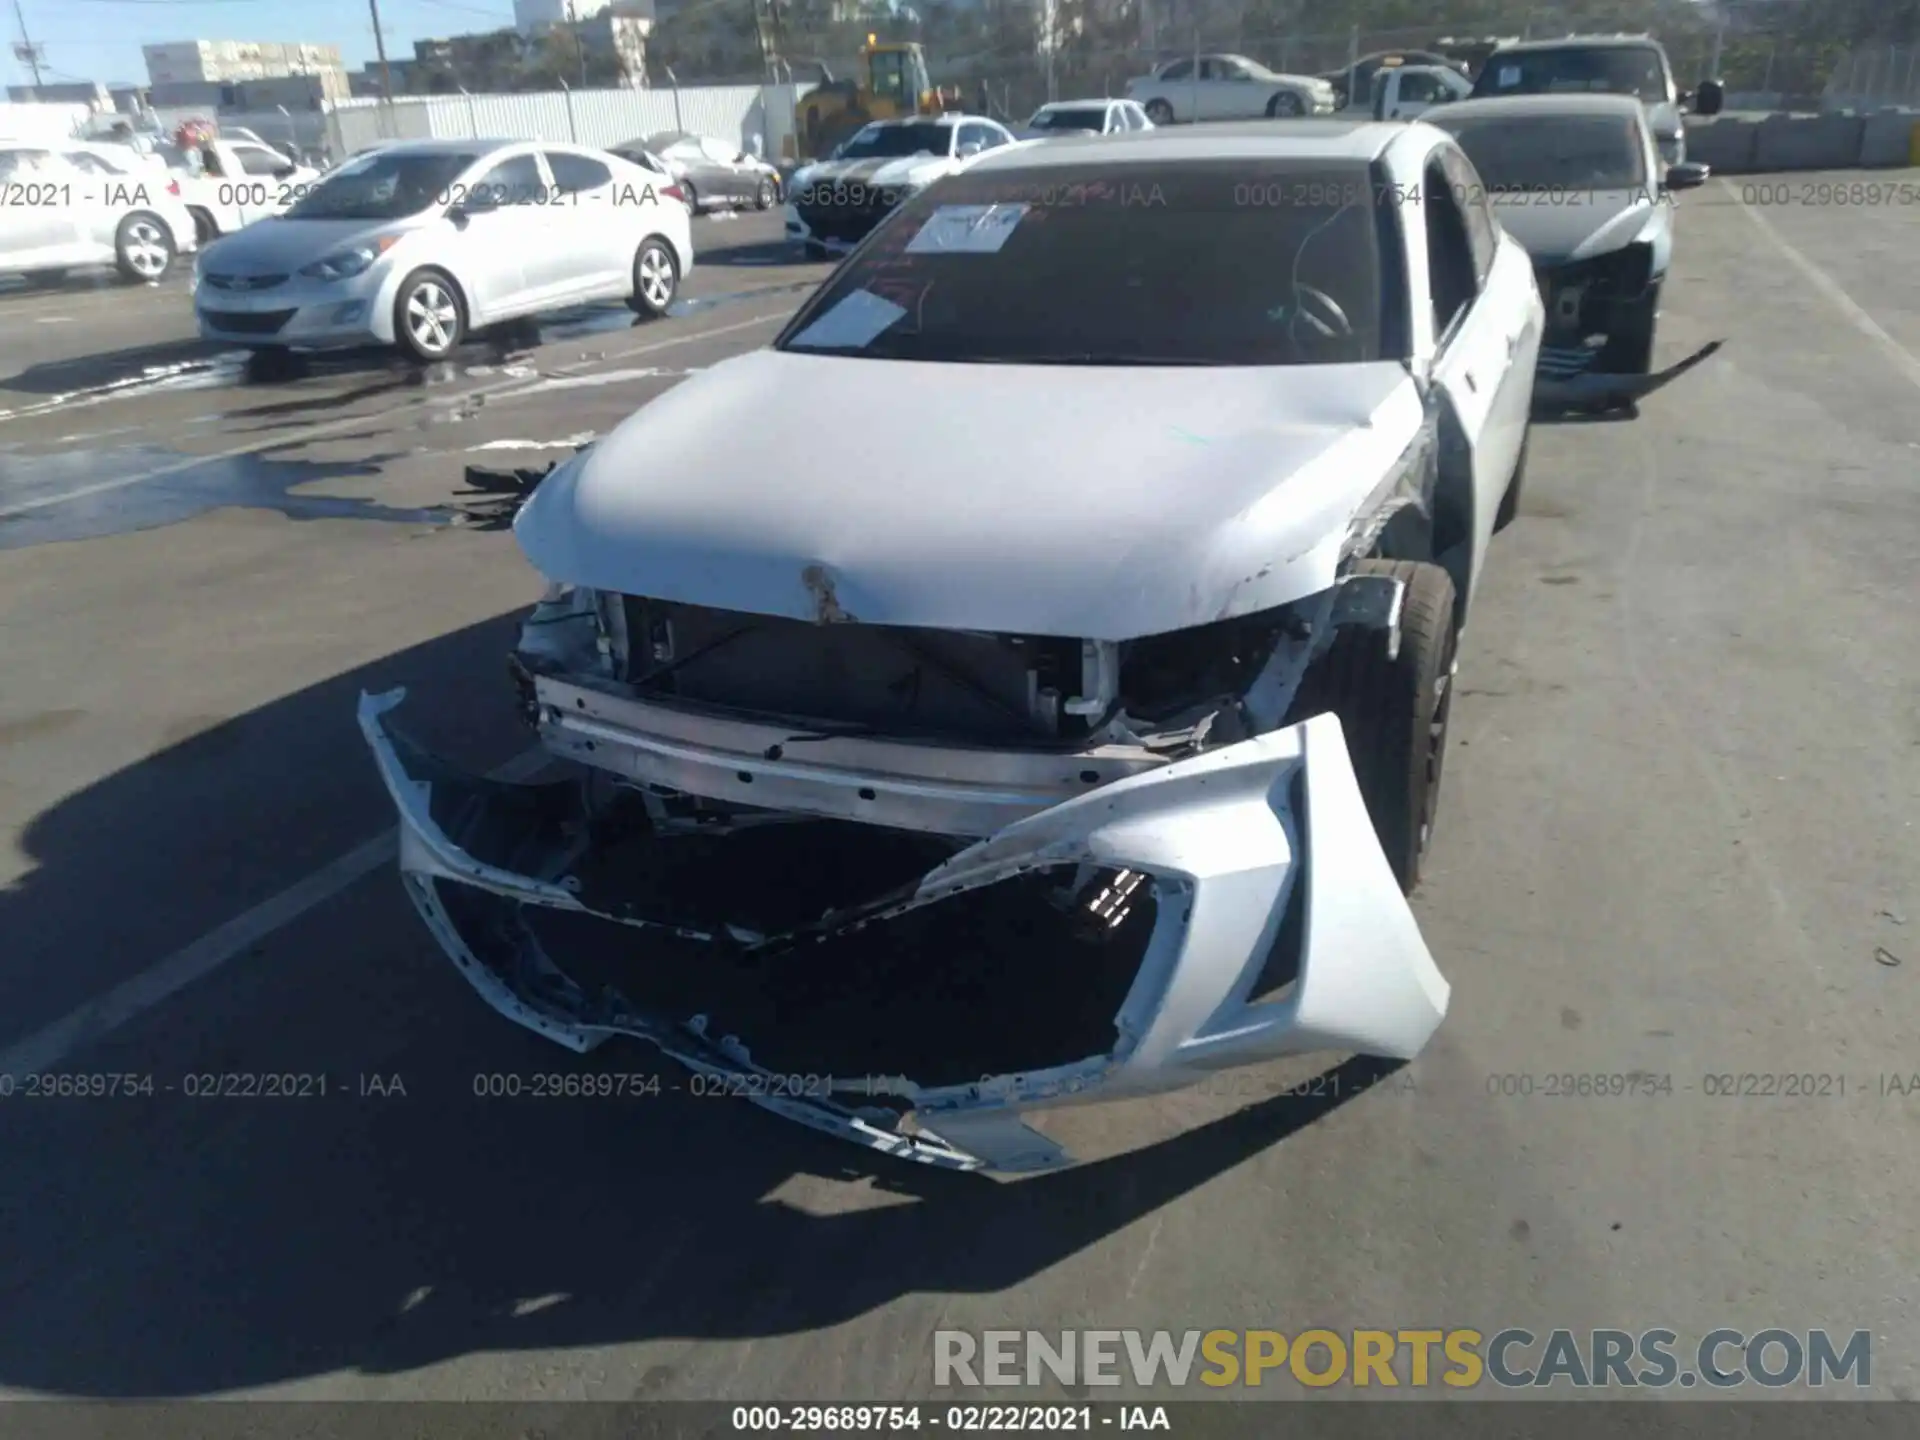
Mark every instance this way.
x=1453 y=535
x=1441 y=530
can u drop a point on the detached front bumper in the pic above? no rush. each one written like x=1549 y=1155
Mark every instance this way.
x=1277 y=929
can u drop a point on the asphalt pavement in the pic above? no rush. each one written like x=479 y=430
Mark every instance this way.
x=1678 y=838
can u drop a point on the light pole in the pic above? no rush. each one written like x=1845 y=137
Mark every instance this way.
x=379 y=48
x=26 y=49
x=579 y=45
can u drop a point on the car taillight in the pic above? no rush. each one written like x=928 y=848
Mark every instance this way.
x=674 y=192
x=173 y=187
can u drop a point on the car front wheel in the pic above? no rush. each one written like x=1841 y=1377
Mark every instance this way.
x=429 y=318
x=763 y=197
x=655 y=279
x=143 y=248
x=1394 y=709
x=1283 y=106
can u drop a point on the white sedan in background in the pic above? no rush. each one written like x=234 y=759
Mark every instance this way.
x=1228 y=87
x=420 y=243
x=68 y=204
x=1085 y=117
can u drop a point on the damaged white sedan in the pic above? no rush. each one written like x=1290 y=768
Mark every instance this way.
x=1025 y=683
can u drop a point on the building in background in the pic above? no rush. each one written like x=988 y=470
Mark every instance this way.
x=618 y=35
x=78 y=92
x=490 y=61
x=228 y=62
x=532 y=16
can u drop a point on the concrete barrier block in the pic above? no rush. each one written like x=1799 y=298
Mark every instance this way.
x=1808 y=142
x=1726 y=145
x=1891 y=140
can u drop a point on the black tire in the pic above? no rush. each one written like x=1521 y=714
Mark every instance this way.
x=143 y=249
x=656 y=279
x=1630 y=346
x=1510 y=502
x=1160 y=112
x=1285 y=105
x=816 y=251
x=439 y=296
x=1394 y=711
x=693 y=197
x=268 y=363
x=765 y=195
x=205 y=231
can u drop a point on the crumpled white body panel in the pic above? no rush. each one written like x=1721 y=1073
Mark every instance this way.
x=1223 y=839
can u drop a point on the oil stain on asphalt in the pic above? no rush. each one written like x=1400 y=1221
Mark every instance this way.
x=254 y=481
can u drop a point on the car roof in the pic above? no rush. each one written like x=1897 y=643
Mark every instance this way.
x=1075 y=104
x=476 y=148
x=1362 y=140
x=1580 y=42
x=1521 y=106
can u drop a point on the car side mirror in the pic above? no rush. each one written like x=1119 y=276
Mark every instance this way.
x=1688 y=175
x=1710 y=98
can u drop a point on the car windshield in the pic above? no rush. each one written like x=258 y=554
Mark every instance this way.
x=896 y=140
x=1635 y=70
x=383 y=186
x=1551 y=152
x=1085 y=117
x=1216 y=262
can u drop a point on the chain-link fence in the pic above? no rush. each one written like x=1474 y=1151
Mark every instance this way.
x=1009 y=56
x=1875 y=77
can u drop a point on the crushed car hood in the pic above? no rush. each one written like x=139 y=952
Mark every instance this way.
x=1094 y=502
x=1559 y=228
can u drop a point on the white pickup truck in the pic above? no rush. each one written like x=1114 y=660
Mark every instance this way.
x=228 y=184
x=1405 y=91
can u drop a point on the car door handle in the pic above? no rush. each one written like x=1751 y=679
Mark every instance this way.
x=1513 y=345
x=1472 y=384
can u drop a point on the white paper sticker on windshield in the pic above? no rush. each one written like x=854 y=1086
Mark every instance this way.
x=967 y=229
x=856 y=321
x=1509 y=75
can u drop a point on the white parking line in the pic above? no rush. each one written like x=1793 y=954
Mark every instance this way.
x=1902 y=358
x=130 y=999
x=341 y=426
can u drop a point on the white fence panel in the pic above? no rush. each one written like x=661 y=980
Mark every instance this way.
x=743 y=114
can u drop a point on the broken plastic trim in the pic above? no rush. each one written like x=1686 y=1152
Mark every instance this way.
x=1408 y=483
x=1218 y=835
x=1596 y=390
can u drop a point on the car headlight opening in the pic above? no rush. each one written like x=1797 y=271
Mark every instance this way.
x=345 y=264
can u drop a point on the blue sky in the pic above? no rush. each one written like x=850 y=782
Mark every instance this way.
x=101 y=39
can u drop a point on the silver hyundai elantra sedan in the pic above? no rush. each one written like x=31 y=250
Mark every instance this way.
x=419 y=243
